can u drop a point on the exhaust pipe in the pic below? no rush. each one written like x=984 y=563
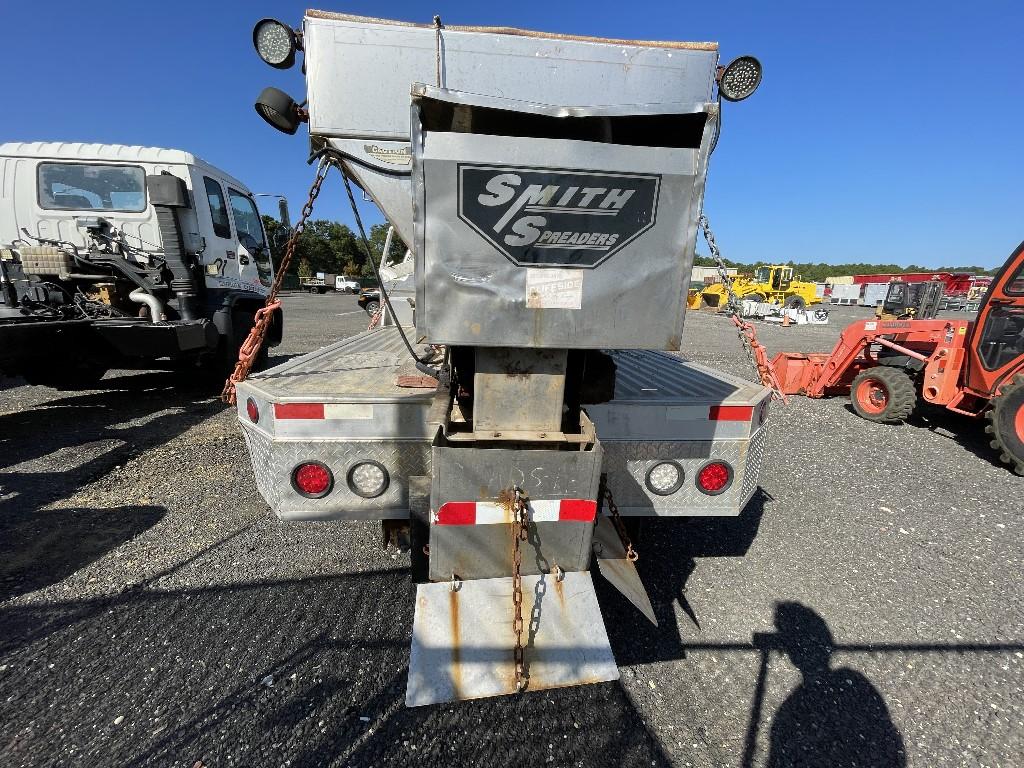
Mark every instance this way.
x=167 y=193
x=157 y=311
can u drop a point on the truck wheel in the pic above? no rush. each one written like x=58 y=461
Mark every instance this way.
x=1006 y=424
x=883 y=394
x=796 y=302
x=372 y=308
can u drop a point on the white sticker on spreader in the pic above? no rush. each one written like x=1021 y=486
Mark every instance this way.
x=554 y=288
x=348 y=410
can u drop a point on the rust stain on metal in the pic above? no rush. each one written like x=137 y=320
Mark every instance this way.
x=456 y=666
x=560 y=591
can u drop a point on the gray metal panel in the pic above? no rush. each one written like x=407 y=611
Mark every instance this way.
x=462 y=640
x=518 y=390
x=359 y=71
x=485 y=551
x=471 y=293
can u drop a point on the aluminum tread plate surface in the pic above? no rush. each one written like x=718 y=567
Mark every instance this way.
x=362 y=367
x=648 y=376
x=274 y=460
x=462 y=640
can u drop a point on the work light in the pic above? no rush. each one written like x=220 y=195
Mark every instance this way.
x=740 y=78
x=279 y=109
x=275 y=43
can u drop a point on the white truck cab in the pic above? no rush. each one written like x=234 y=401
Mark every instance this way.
x=108 y=235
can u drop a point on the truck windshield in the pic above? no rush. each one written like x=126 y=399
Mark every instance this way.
x=91 y=187
x=250 y=232
x=761 y=275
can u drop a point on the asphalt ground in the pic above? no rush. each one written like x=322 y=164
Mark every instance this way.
x=866 y=609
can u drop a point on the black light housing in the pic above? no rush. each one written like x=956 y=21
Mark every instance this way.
x=740 y=78
x=275 y=42
x=279 y=109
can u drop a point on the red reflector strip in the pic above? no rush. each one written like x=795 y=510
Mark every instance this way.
x=581 y=510
x=540 y=511
x=299 y=410
x=456 y=513
x=731 y=412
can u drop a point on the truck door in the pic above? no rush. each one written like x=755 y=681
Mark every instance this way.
x=997 y=344
x=254 y=265
x=221 y=254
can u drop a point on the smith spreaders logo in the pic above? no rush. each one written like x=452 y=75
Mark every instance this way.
x=553 y=218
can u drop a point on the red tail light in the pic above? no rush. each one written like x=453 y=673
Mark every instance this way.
x=714 y=477
x=253 y=410
x=312 y=479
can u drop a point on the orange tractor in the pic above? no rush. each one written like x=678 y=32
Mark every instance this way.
x=975 y=368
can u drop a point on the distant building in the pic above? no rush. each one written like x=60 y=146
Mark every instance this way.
x=702 y=275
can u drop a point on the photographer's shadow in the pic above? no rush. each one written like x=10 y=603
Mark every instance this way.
x=834 y=717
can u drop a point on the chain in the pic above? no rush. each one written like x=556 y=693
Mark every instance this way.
x=606 y=493
x=251 y=346
x=519 y=535
x=757 y=355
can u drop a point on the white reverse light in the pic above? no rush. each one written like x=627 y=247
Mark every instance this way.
x=664 y=478
x=368 y=479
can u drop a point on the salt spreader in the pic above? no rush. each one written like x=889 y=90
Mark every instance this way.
x=549 y=188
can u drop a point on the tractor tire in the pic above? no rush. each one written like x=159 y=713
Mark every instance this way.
x=796 y=302
x=1006 y=424
x=883 y=394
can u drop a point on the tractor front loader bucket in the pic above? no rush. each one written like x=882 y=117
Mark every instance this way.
x=797 y=371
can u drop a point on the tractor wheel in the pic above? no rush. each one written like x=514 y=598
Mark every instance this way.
x=1006 y=424
x=883 y=394
x=796 y=302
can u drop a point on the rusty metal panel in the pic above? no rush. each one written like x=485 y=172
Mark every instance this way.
x=462 y=639
x=483 y=474
x=518 y=389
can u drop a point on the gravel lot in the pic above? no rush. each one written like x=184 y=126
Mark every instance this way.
x=865 y=610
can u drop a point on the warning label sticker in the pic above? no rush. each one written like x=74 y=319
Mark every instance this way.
x=554 y=288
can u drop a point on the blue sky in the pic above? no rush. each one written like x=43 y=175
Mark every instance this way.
x=883 y=131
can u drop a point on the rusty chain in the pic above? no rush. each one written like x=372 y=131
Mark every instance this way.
x=261 y=323
x=755 y=351
x=606 y=493
x=520 y=532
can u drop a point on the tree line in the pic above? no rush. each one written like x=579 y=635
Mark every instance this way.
x=332 y=247
x=817 y=273
x=329 y=246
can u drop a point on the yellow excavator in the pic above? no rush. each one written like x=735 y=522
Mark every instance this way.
x=774 y=283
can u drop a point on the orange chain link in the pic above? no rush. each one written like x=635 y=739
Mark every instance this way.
x=258 y=333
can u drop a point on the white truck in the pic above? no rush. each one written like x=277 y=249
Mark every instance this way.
x=525 y=399
x=124 y=256
x=323 y=282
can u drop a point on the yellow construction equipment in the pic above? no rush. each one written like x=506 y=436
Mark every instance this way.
x=774 y=282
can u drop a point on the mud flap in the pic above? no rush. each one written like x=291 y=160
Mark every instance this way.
x=462 y=638
x=619 y=571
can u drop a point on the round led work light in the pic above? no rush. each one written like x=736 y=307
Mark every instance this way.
x=279 y=109
x=274 y=42
x=740 y=78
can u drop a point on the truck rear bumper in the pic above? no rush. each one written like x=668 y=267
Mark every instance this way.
x=340 y=407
